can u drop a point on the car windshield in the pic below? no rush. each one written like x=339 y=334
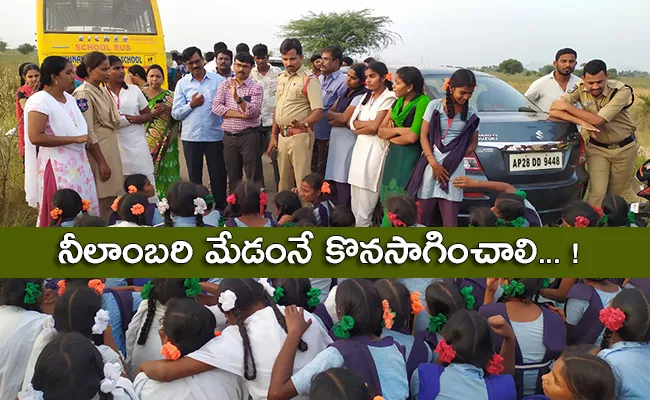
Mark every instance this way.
x=491 y=94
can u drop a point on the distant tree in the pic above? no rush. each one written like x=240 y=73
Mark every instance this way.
x=613 y=73
x=511 y=67
x=547 y=69
x=355 y=32
x=3 y=46
x=26 y=48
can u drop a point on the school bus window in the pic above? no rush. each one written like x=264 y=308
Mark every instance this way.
x=101 y=16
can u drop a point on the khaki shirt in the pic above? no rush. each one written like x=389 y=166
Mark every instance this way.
x=619 y=124
x=290 y=102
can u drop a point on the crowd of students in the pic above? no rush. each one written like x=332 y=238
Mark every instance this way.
x=357 y=339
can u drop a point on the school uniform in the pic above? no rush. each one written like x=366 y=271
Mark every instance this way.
x=631 y=363
x=416 y=349
x=640 y=284
x=19 y=329
x=430 y=338
x=531 y=360
x=184 y=222
x=203 y=386
x=460 y=381
x=151 y=216
x=322 y=212
x=266 y=338
x=582 y=310
x=419 y=285
x=212 y=218
x=236 y=223
x=150 y=351
x=381 y=364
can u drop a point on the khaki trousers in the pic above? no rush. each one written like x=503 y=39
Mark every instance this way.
x=105 y=209
x=294 y=159
x=610 y=171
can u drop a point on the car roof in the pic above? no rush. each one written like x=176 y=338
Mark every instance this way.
x=443 y=71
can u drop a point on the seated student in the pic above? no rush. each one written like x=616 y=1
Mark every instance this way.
x=67 y=205
x=286 y=203
x=467 y=367
x=540 y=333
x=71 y=367
x=578 y=375
x=402 y=211
x=246 y=208
x=642 y=284
x=339 y=384
x=142 y=339
x=618 y=213
x=121 y=305
x=186 y=327
x=132 y=211
x=443 y=299
x=580 y=214
x=472 y=289
x=250 y=344
x=211 y=216
x=583 y=305
x=183 y=207
x=89 y=221
x=314 y=191
x=298 y=292
x=304 y=214
x=400 y=307
x=506 y=205
x=138 y=184
x=380 y=362
x=625 y=343
x=78 y=310
x=342 y=217
x=21 y=322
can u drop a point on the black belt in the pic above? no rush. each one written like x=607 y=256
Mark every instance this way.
x=618 y=145
x=242 y=133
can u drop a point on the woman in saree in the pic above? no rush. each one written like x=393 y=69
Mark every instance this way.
x=162 y=132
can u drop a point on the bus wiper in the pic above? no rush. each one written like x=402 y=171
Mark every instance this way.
x=527 y=109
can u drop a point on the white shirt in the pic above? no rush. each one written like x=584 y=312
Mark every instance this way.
x=208 y=385
x=132 y=138
x=544 y=91
x=269 y=84
x=211 y=66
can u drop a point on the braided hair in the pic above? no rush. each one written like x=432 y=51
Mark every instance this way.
x=251 y=293
x=361 y=300
x=181 y=196
x=636 y=327
x=247 y=201
x=69 y=202
x=295 y=292
x=399 y=300
x=460 y=78
x=573 y=211
x=471 y=336
x=163 y=291
x=443 y=298
x=532 y=286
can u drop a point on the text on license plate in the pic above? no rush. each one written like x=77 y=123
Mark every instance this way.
x=535 y=161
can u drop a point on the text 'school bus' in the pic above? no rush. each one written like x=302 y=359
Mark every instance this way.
x=128 y=29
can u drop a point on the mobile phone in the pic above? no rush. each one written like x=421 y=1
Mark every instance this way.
x=160 y=101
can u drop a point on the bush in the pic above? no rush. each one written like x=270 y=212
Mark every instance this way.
x=3 y=46
x=511 y=67
x=547 y=69
x=26 y=48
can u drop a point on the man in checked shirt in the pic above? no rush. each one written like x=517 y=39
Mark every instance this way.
x=239 y=102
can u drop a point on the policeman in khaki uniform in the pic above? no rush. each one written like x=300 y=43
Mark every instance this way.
x=612 y=148
x=298 y=107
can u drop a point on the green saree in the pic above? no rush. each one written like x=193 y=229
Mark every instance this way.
x=162 y=137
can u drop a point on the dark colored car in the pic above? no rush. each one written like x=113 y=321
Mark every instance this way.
x=518 y=144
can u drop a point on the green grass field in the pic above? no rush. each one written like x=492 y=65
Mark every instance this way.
x=15 y=212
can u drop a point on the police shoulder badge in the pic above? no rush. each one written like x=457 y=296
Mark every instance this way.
x=82 y=104
x=573 y=89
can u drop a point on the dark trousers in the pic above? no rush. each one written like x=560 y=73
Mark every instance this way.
x=213 y=153
x=319 y=157
x=439 y=212
x=341 y=194
x=242 y=150
x=265 y=138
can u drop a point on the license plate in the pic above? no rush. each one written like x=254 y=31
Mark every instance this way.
x=536 y=161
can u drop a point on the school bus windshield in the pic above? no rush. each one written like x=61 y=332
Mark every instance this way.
x=99 y=16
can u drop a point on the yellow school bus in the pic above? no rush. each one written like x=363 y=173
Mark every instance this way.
x=129 y=29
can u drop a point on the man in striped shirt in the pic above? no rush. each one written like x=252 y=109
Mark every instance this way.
x=239 y=102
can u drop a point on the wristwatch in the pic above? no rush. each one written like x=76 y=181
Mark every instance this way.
x=240 y=100
x=306 y=124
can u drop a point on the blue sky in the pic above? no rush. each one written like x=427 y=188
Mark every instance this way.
x=467 y=33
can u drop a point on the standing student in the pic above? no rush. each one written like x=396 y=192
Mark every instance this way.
x=625 y=343
x=248 y=347
x=30 y=79
x=202 y=134
x=402 y=128
x=583 y=304
x=162 y=132
x=540 y=333
x=186 y=327
x=103 y=120
x=545 y=90
x=449 y=133
x=378 y=361
x=21 y=322
x=239 y=103
x=55 y=124
x=612 y=148
x=134 y=113
x=136 y=76
x=266 y=75
x=369 y=154
x=298 y=107
x=333 y=86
